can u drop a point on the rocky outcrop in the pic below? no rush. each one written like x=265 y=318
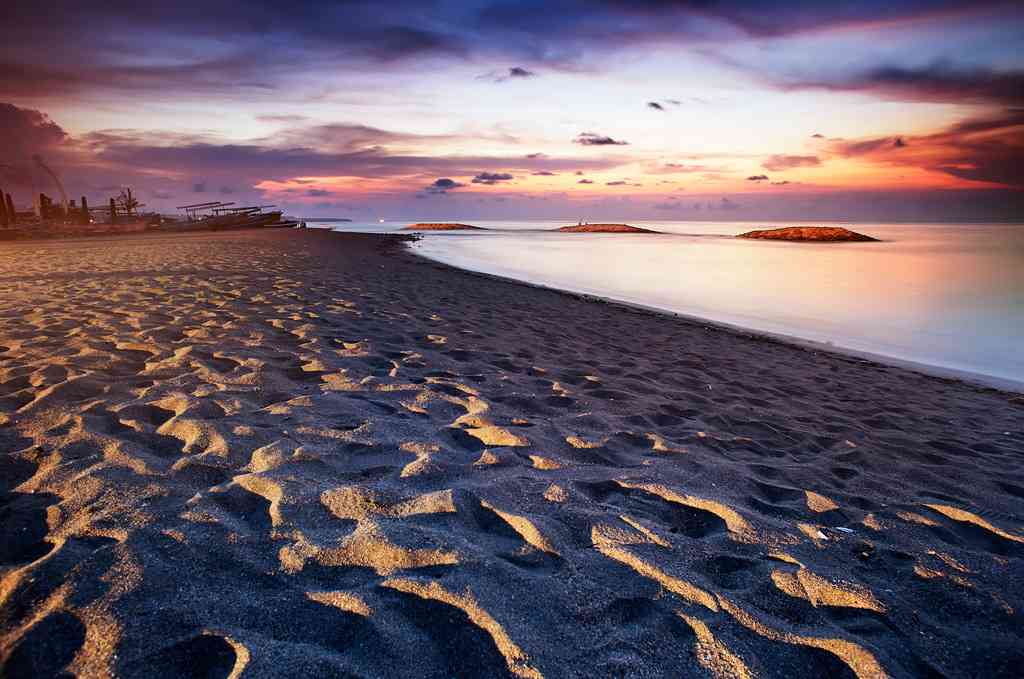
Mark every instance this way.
x=603 y=228
x=442 y=226
x=815 y=234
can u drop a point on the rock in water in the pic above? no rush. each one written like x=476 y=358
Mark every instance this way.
x=442 y=226
x=817 y=234
x=603 y=228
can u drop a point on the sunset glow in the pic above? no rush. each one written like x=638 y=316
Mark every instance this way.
x=664 y=110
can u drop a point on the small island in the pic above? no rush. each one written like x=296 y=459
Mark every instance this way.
x=815 y=234
x=442 y=226
x=603 y=228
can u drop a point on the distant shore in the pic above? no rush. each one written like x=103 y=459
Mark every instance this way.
x=317 y=451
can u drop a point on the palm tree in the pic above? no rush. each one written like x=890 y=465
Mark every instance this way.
x=127 y=202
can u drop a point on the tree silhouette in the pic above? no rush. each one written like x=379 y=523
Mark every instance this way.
x=127 y=202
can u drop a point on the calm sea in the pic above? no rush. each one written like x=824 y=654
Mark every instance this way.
x=943 y=295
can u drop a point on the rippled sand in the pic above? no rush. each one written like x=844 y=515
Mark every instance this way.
x=313 y=454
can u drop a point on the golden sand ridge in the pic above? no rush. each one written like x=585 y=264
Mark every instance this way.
x=308 y=453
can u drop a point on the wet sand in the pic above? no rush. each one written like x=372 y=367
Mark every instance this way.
x=314 y=454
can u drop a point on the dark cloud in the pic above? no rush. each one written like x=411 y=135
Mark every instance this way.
x=758 y=178
x=778 y=163
x=443 y=185
x=938 y=82
x=585 y=181
x=593 y=139
x=513 y=73
x=560 y=30
x=983 y=149
x=534 y=156
x=784 y=182
x=655 y=105
x=158 y=161
x=817 y=136
x=615 y=183
x=852 y=149
x=231 y=48
x=492 y=177
x=544 y=173
x=317 y=193
x=25 y=133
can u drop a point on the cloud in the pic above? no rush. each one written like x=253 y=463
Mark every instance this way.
x=685 y=168
x=593 y=139
x=492 y=177
x=318 y=193
x=544 y=173
x=178 y=163
x=513 y=73
x=585 y=181
x=616 y=183
x=534 y=156
x=758 y=178
x=24 y=133
x=852 y=149
x=779 y=163
x=443 y=185
x=655 y=105
x=282 y=118
x=240 y=48
x=984 y=149
x=940 y=82
x=817 y=136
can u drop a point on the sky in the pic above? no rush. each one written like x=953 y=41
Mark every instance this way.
x=642 y=109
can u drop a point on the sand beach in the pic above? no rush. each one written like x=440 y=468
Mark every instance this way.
x=306 y=453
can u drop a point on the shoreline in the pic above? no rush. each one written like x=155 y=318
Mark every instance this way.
x=320 y=453
x=974 y=379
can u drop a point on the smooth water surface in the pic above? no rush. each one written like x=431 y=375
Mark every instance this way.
x=945 y=295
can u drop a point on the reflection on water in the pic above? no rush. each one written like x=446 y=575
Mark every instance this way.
x=944 y=295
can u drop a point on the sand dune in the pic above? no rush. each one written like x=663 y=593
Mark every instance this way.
x=314 y=454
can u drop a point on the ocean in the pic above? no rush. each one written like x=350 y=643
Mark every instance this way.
x=944 y=296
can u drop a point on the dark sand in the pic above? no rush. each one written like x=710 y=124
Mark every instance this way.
x=303 y=453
